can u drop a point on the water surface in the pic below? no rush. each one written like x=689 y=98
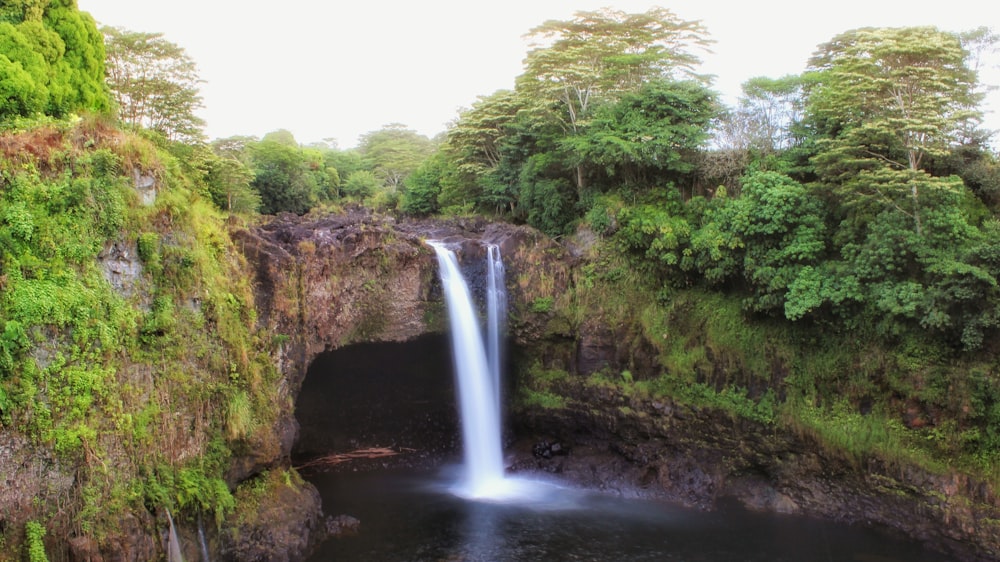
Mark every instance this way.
x=413 y=516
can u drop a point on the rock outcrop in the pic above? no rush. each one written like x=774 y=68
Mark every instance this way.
x=327 y=282
x=657 y=448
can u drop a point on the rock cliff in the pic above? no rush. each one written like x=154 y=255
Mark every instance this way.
x=322 y=283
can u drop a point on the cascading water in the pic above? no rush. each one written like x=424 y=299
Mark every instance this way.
x=479 y=404
x=496 y=315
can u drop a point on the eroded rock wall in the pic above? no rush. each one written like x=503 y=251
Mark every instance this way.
x=324 y=283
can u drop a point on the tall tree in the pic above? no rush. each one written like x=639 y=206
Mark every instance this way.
x=601 y=54
x=154 y=83
x=282 y=178
x=889 y=98
x=474 y=143
x=771 y=107
x=394 y=152
x=649 y=136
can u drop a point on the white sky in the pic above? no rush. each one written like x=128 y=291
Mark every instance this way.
x=340 y=68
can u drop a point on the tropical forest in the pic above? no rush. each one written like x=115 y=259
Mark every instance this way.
x=788 y=305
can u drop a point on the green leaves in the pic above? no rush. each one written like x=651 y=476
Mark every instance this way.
x=154 y=82
x=893 y=96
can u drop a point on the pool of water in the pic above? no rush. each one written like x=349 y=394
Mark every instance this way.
x=417 y=516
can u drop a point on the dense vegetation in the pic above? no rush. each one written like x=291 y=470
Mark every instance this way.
x=840 y=223
x=129 y=358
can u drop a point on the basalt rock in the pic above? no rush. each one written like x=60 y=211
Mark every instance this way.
x=325 y=282
x=693 y=456
x=330 y=281
x=284 y=527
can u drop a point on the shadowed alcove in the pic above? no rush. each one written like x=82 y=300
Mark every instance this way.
x=396 y=395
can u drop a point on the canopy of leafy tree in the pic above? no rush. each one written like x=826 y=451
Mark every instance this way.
x=154 y=83
x=51 y=60
x=859 y=192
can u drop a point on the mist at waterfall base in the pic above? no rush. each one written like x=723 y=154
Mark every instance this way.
x=473 y=512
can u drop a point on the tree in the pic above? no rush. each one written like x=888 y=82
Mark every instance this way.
x=888 y=98
x=474 y=144
x=598 y=55
x=154 y=83
x=281 y=178
x=979 y=44
x=361 y=184
x=771 y=107
x=51 y=59
x=647 y=135
x=229 y=184
x=23 y=74
x=422 y=187
x=78 y=80
x=394 y=152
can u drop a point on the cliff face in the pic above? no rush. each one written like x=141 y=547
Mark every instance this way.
x=324 y=283
x=661 y=448
x=328 y=282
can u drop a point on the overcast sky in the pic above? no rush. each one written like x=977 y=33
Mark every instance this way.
x=337 y=69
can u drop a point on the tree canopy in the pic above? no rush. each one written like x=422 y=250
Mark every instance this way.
x=52 y=60
x=154 y=83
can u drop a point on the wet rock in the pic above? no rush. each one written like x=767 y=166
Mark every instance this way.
x=145 y=186
x=134 y=540
x=285 y=527
x=122 y=267
x=84 y=549
x=546 y=450
x=343 y=526
x=699 y=456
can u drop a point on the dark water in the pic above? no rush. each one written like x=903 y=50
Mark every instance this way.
x=408 y=516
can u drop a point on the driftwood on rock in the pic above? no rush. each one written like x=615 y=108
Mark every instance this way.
x=334 y=459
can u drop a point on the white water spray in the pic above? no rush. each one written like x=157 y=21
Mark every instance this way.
x=477 y=386
x=496 y=315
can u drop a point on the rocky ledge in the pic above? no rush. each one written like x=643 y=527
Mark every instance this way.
x=660 y=449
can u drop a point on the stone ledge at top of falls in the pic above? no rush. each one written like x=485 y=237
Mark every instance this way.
x=325 y=281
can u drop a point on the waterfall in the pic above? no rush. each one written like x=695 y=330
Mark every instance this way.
x=173 y=543
x=479 y=404
x=496 y=315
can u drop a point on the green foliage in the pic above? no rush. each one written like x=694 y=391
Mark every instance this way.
x=154 y=83
x=104 y=348
x=283 y=178
x=539 y=387
x=730 y=399
x=542 y=305
x=229 y=184
x=393 y=153
x=659 y=233
x=189 y=488
x=78 y=77
x=602 y=53
x=423 y=186
x=34 y=533
x=51 y=60
x=647 y=137
x=361 y=184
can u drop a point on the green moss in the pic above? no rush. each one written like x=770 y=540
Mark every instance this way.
x=542 y=399
x=174 y=370
x=542 y=305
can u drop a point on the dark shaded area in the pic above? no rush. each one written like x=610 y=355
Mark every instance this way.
x=409 y=515
x=393 y=395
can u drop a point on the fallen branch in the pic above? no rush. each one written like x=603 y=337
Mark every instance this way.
x=338 y=458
